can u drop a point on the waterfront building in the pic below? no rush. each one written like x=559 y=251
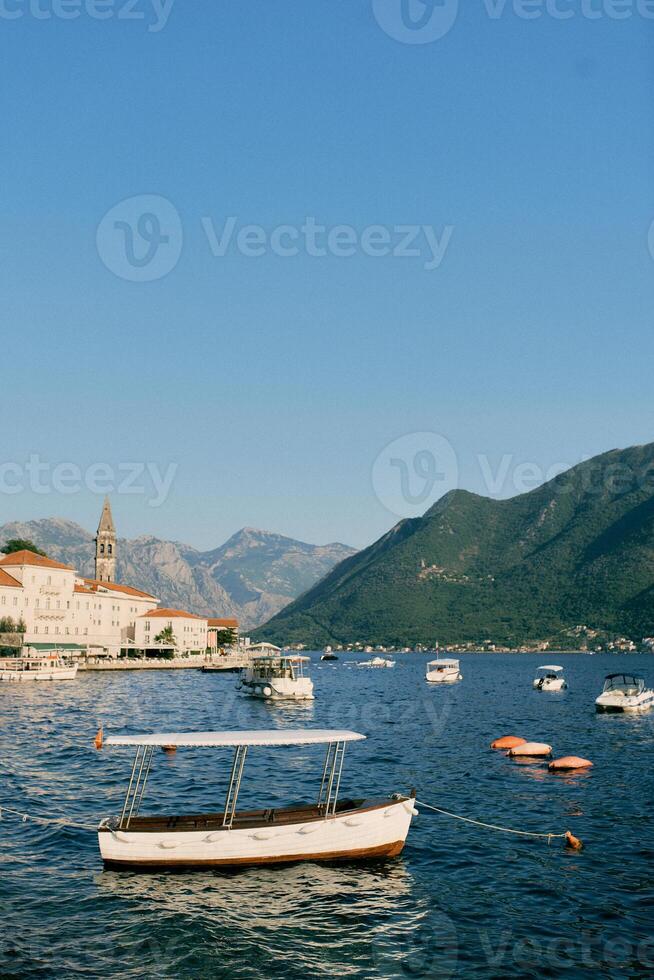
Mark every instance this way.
x=187 y=633
x=97 y=617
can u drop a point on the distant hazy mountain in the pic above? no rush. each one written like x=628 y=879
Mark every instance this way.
x=577 y=551
x=252 y=576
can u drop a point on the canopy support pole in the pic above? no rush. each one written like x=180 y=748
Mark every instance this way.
x=331 y=777
x=234 y=785
x=139 y=796
x=137 y=759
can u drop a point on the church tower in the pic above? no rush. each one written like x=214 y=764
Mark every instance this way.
x=105 y=546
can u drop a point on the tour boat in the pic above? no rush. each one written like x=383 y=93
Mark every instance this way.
x=443 y=672
x=48 y=666
x=277 y=678
x=377 y=662
x=550 y=678
x=327 y=830
x=624 y=692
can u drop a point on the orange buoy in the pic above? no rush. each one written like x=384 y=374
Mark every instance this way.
x=573 y=842
x=569 y=762
x=99 y=739
x=531 y=749
x=507 y=742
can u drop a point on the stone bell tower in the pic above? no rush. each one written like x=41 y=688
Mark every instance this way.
x=105 y=546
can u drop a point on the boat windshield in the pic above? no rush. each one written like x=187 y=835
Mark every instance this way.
x=269 y=667
x=627 y=684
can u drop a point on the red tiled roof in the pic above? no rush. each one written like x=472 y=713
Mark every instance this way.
x=224 y=623
x=31 y=558
x=81 y=588
x=93 y=585
x=9 y=580
x=170 y=614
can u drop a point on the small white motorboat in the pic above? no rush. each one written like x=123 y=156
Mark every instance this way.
x=277 y=678
x=624 y=692
x=443 y=672
x=326 y=830
x=32 y=666
x=549 y=677
x=377 y=662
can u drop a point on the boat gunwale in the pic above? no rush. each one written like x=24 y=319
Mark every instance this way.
x=251 y=819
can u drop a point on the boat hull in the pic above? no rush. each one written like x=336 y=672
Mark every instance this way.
x=550 y=685
x=25 y=676
x=618 y=704
x=435 y=677
x=373 y=831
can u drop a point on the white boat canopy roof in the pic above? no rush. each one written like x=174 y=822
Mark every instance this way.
x=549 y=667
x=443 y=663
x=277 y=737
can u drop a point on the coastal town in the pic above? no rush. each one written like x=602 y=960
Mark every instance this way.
x=46 y=605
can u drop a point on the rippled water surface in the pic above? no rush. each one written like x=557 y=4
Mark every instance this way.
x=459 y=901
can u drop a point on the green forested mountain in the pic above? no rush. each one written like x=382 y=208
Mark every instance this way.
x=577 y=550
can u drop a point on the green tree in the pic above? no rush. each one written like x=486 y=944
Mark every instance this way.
x=7 y=625
x=21 y=544
x=225 y=638
x=166 y=636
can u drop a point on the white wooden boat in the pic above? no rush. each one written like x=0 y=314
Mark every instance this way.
x=443 y=672
x=550 y=677
x=328 y=829
x=377 y=662
x=277 y=678
x=624 y=692
x=48 y=666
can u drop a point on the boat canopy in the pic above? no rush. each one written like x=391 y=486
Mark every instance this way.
x=549 y=667
x=276 y=737
x=443 y=663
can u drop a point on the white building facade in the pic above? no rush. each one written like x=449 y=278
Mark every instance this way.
x=59 y=607
x=188 y=632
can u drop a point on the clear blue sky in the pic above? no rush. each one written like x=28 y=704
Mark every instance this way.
x=273 y=383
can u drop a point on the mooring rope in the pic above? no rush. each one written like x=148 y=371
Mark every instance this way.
x=46 y=821
x=506 y=830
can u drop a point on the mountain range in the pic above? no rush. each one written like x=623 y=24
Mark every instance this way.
x=575 y=552
x=251 y=577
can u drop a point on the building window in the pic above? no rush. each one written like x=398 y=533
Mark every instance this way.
x=56 y=629
x=36 y=629
x=4 y=600
x=102 y=549
x=48 y=581
x=15 y=600
x=46 y=629
x=110 y=549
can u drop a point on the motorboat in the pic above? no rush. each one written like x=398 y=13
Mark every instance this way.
x=550 y=678
x=328 y=829
x=329 y=654
x=46 y=666
x=443 y=672
x=277 y=678
x=377 y=662
x=624 y=692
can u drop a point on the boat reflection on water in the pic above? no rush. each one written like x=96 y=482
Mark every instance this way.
x=271 y=896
